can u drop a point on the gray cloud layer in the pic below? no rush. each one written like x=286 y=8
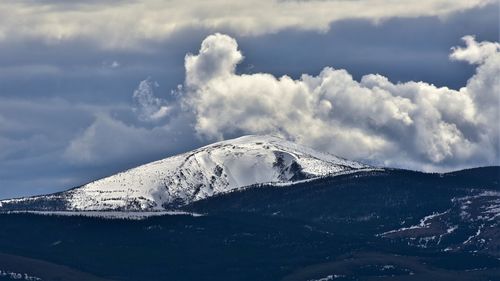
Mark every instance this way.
x=411 y=124
x=123 y=24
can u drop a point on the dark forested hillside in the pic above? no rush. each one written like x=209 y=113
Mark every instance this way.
x=383 y=225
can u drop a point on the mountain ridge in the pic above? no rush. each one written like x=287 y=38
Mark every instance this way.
x=203 y=172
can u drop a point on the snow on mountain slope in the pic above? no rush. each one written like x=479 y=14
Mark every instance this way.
x=204 y=172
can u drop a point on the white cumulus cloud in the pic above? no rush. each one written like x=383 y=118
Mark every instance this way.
x=148 y=106
x=412 y=124
x=474 y=52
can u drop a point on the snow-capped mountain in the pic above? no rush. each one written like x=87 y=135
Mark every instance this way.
x=217 y=168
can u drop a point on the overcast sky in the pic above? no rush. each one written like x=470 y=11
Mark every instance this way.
x=89 y=88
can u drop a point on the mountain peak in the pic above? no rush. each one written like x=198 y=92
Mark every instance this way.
x=204 y=172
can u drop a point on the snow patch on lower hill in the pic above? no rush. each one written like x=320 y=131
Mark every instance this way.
x=471 y=224
x=109 y=214
x=18 y=276
x=328 y=278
